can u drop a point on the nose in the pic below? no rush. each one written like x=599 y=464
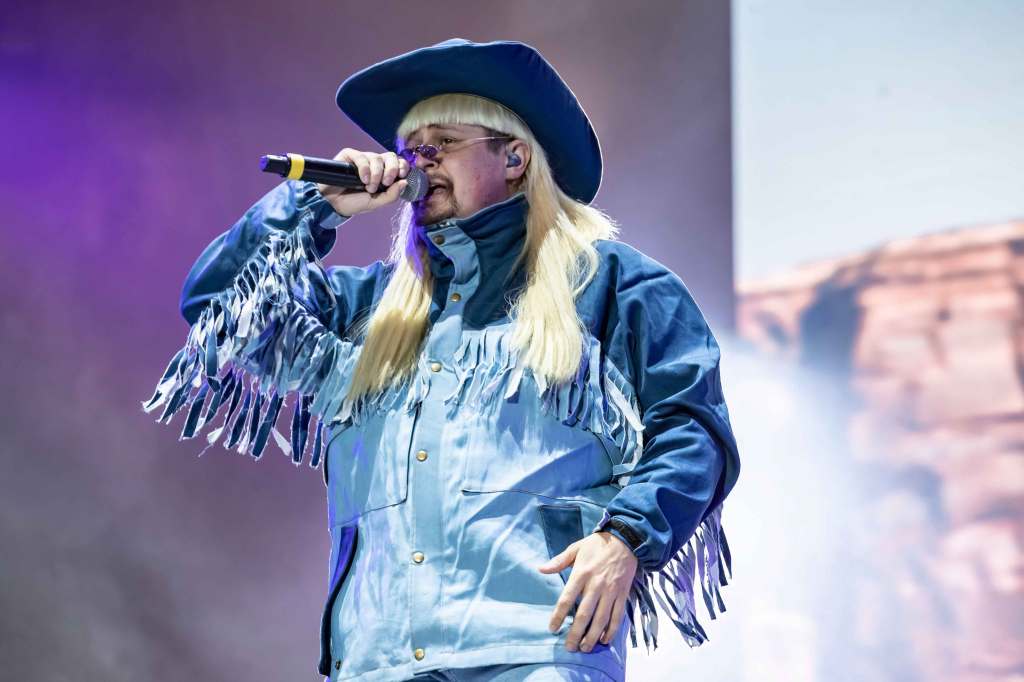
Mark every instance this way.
x=424 y=162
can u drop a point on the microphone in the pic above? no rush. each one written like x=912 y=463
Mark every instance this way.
x=338 y=174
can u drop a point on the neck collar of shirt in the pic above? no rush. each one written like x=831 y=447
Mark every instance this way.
x=497 y=232
x=475 y=254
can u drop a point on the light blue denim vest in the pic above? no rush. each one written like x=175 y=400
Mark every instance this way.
x=446 y=491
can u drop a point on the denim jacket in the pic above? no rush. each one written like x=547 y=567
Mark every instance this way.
x=445 y=493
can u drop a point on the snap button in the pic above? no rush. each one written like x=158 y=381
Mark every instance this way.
x=438 y=239
x=337 y=665
x=435 y=366
x=417 y=557
x=419 y=654
x=421 y=455
x=456 y=296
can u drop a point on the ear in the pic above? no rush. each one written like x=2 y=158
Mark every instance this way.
x=519 y=147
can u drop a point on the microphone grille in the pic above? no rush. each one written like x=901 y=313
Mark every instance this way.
x=416 y=185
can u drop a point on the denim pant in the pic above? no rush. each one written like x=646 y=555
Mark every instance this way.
x=517 y=672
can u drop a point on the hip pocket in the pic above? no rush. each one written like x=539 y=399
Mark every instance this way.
x=563 y=525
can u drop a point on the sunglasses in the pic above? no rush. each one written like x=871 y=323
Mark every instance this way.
x=430 y=151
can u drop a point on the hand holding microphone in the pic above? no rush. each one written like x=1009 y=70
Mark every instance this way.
x=356 y=182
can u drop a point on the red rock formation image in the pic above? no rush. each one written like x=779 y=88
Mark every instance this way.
x=925 y=337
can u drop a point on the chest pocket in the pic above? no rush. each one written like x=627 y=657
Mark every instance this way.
x=368 y=468
x=515 y=446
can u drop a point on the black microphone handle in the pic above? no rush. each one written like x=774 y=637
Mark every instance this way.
x=329 y=172
x=336 y=179
x=336 y=173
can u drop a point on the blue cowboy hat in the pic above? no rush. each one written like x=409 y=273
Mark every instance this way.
x=512 y=73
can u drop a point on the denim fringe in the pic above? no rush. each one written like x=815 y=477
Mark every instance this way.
x=253 y=344
x=599 y=398
x=705 y=557
x=261 y=339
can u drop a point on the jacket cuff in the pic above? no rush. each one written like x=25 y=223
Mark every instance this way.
x=614 y=525
x=325 y=217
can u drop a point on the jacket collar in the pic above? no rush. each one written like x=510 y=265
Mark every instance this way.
x=497 y=231
x=493 y=238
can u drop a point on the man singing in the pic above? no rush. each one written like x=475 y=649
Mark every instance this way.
x=521 y=420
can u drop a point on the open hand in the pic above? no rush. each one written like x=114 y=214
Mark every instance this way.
x=602 y=570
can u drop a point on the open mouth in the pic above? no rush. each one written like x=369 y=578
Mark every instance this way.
x=434 y=189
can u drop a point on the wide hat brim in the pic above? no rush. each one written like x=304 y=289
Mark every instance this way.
x=512 y=73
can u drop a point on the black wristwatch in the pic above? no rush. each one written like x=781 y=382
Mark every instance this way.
x=628 y=533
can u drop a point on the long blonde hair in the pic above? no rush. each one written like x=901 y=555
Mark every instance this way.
x=558 y=255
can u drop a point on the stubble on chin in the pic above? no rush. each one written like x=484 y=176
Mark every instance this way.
x=436 y=214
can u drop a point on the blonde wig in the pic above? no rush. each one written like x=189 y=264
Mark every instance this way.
x=558 y=255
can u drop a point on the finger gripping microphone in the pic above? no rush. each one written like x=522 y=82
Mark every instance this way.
x=338 y=174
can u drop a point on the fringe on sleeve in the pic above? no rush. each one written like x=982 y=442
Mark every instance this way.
x=704 y=560
x=254 y=343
